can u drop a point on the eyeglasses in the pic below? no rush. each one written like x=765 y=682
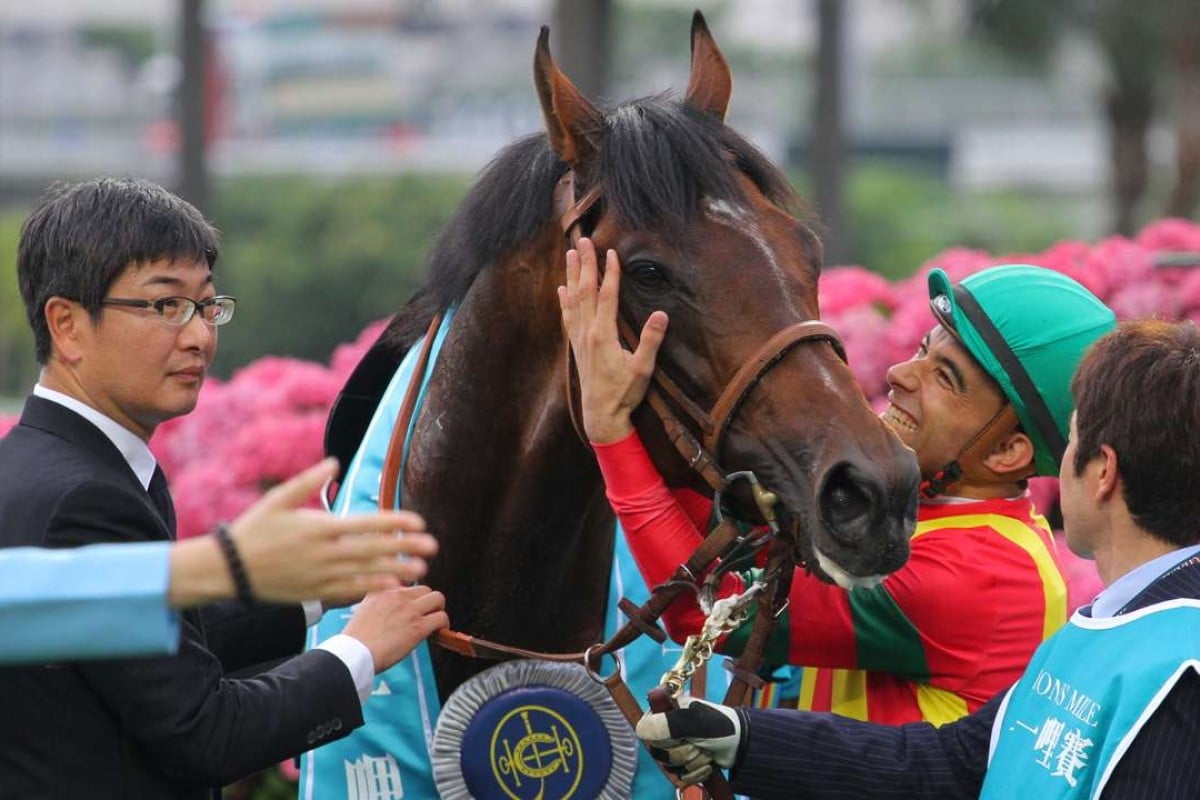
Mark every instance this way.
x=180 y=310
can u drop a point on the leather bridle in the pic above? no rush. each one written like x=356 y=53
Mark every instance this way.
x=701 y=444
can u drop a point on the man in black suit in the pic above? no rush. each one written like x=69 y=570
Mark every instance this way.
x=117 y=280
x=1110 y=705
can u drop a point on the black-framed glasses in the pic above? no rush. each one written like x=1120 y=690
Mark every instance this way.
x=180 y=310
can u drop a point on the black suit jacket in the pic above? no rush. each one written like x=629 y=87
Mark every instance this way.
x=791 y=754
x=145 y=728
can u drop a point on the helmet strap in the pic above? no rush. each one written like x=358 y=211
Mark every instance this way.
x=941 y=480
x=953 y=471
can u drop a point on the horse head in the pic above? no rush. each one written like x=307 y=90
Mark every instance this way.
x=708 y=230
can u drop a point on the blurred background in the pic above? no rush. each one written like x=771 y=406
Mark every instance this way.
x=330 y=139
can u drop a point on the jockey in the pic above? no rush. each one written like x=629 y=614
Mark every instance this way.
x=984 y=403
x=1109 y=706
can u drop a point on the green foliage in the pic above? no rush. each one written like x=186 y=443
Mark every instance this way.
x=270 y=784
x=662 y=30
x=313 y=261
x=134 y=43
x=932 y=57
x=18 y=367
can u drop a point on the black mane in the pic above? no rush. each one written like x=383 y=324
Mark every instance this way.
x=658 y=158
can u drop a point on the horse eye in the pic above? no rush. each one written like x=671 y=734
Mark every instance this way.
x=647 y=274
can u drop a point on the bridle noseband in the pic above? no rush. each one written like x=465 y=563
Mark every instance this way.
x=700 y=449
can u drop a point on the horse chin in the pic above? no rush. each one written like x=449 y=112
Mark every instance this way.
x=802 y=530
x=827 y=568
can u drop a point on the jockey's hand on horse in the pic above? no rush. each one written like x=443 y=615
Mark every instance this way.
x=689 y=740
x=612 y=381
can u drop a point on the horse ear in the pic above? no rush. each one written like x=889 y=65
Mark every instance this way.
x=569 y=117
x=711 y=82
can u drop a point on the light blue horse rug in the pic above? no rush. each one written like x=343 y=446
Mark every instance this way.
x=520 y=731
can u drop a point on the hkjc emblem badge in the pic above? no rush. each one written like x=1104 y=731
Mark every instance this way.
x=533 y=730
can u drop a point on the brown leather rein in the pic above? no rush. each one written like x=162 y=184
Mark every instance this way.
x=700 y=453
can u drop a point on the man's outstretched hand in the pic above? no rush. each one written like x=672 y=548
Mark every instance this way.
x=693 y=738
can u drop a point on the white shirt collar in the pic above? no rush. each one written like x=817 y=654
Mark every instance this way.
x=956 y=500
x=135 y=451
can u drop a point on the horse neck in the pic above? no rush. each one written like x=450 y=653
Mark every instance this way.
x=496 y=468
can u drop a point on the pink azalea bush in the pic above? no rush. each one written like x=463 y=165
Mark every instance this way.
x=266 y=422
x=262 y=426
x=1083 y=583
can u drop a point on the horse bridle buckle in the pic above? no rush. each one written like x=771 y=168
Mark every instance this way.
x=764 y=498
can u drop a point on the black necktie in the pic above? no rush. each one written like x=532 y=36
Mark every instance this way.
x=161 y=497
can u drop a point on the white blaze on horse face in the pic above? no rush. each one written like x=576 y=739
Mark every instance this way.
x=738 y=218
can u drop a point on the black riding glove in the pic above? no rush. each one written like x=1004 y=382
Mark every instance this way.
x=691 y=739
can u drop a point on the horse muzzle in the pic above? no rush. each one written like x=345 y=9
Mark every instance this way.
x=864 y=521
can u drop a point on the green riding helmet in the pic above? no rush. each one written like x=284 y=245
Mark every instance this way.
x=1028 y=327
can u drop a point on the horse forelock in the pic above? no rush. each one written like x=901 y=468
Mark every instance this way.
x=660 y=158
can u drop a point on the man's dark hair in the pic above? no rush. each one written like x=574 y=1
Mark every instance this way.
x=1138 y=391
x=81 y=237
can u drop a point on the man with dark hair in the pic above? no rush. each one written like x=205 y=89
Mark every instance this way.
x=81 y=237
x=1110 y=706
x=117 y=279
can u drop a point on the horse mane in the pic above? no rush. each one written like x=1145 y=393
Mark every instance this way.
x=657 y=158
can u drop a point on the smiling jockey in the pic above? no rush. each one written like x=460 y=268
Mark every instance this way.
x=984 y=403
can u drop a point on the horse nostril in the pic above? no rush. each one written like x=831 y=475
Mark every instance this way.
x=844 y=500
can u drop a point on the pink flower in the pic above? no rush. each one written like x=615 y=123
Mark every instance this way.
x=1083 y=582
x=205 y=494
x=1123 y=262
x=843 y=288
x=1073 y=259
x=259 y=429
x=862 y=329
x=909 y=324
x=1044 y=493
x=1170 y=235
x=1146 y=299
x=269 y=449
x=1189 y=292
x=289 y=770
x=346 y=356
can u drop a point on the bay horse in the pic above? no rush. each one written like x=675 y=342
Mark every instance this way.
x=708 y=230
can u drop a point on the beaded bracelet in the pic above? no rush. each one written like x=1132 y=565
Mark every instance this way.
x=236 y=567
